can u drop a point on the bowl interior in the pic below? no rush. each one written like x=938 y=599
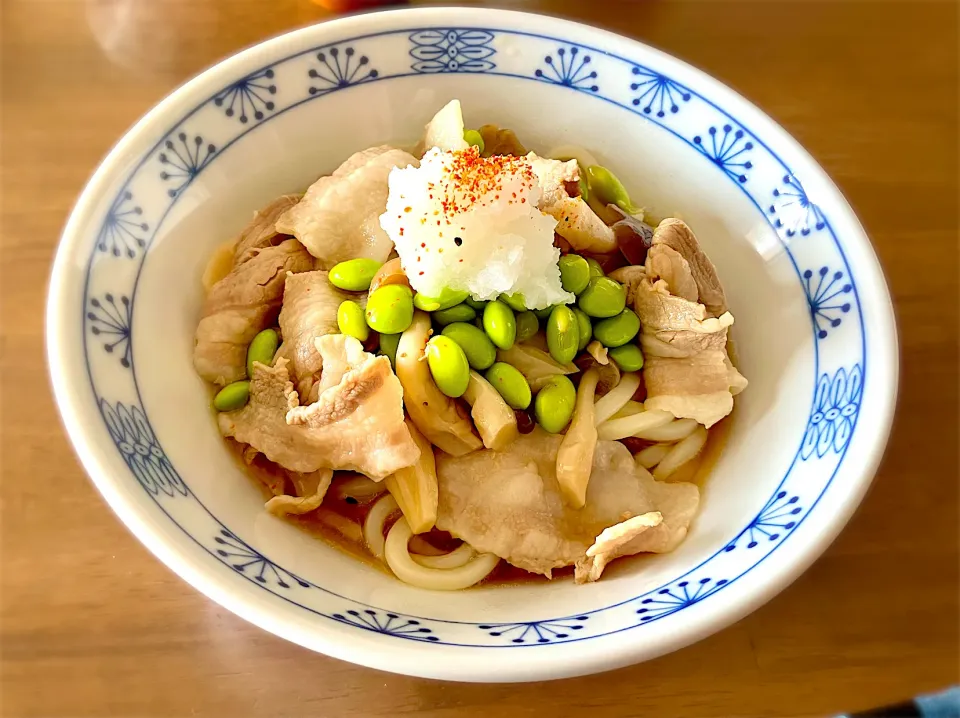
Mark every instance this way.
x=665 y=175
x=272 y=120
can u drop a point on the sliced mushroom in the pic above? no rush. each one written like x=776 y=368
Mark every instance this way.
x=437 y=416
x=575 y=456
x=634 y=236
x=496 y=422
x=609 y=372
x=390 y=273
x=415 y=487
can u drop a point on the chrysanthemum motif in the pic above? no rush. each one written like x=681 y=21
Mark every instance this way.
x=794 y=212
x=391 y=624
x=571 y=68
x=658 y=94
x=183 y=159
x=677 y=597
x=134 y=438
x=111 y=323
x=245 y=559
x=827 y=296
x=452 y=50
x=835 y=410
x=778 y=516
x=728 y=151
x=339 y=68
x=250 y=97
x=123 y=232
x=536 y=631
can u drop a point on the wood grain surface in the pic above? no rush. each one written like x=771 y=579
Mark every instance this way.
x=94 y=625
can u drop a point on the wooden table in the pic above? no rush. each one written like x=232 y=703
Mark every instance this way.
x=93 y=625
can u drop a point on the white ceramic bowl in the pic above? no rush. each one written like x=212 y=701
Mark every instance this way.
x=814 y=328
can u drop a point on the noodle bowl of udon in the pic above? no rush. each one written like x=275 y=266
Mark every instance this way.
x=423 y=377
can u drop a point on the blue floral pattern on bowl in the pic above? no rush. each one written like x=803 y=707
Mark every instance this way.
x=198 y=140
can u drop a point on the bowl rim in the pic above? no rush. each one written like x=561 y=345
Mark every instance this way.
x=586 y=661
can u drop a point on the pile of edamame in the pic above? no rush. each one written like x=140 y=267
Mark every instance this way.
x=469 y=332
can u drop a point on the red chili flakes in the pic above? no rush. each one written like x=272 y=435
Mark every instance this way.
x=420 y=274
x=408 y=209
x=471 y=178
x=423 y=244
x=401 y=231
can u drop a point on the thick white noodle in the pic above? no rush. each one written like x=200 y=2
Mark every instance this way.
x=358 y=487
x=674 y=431
x=615 y=399
x=419 y=545
x=373 y=524
x=652 y=455
x=629 y=409
x=456 y=558
x=629 y=425
x=681 y=453
x=450 y=579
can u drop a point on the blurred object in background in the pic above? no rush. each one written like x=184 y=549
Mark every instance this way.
x=945 y=704
x=353 y=5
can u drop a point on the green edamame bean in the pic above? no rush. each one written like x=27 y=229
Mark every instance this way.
x=233 y=396
x=516 y=301
x=351 y=321
x=475 y=139
x=448 y=365
x=500 y=324
x=527 y=326
x=354 y=275
x=628 y=357
x=603 y=298
x=585 y=327
x=595 y=269
x=563 y=334
x=448 y=298
x=262 y=349
x=545 y=312
x=510 y=383
x=390 y=309
x=574 y=273
x=458 y=313
x=555 y=403
x=477 y=304
x=388 y=347
x=617 y=331
x=480 y=352
x=608 y=189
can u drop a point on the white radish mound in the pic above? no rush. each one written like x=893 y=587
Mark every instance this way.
x=487 y=243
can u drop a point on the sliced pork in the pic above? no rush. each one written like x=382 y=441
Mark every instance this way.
x=262 y=231
x=684 y=316
x=242 y=304
x=309 y=312
x=509 y=503
x=339 y=216
x=356 y=424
